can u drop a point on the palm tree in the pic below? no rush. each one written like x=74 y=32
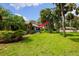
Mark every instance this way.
x=63 y=8
x=47 y=16
x=63 y=18
x=60 y=9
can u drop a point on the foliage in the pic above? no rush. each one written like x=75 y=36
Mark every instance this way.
x=5 y=36
x=11 y=21
x=75 y=22
x=18 y=33
x=8 y=37
x=45 y=14
x=77 y=11
x=52 y=17
x=70 y=16
x=70 y=6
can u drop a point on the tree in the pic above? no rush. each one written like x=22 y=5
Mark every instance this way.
x=47 y=16
x=52 y=17
x=6 y=16
x=62 y=9
x=70 y=17
x=10 y=21
x=56 y=19
x=18 y=22
x=76 y=22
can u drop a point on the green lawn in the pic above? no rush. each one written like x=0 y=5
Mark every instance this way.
x=43 y=44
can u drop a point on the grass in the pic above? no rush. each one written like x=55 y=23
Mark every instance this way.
x=43 y=44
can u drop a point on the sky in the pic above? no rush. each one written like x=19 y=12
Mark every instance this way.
x=29 y=11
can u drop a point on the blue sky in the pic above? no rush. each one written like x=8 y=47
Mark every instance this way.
x=30 y=11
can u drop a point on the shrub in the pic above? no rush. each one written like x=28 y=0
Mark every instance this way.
x=8 y=37
x=43 y=30
x=5 y=37
x=19 y=33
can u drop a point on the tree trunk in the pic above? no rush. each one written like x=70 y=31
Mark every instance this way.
x=63 y=20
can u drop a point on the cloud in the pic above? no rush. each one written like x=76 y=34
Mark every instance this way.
x=18 y=6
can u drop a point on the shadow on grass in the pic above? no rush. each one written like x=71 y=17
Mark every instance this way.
x=53 y=32
x=75 y=39
x=26 y=40
x=70 y=34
